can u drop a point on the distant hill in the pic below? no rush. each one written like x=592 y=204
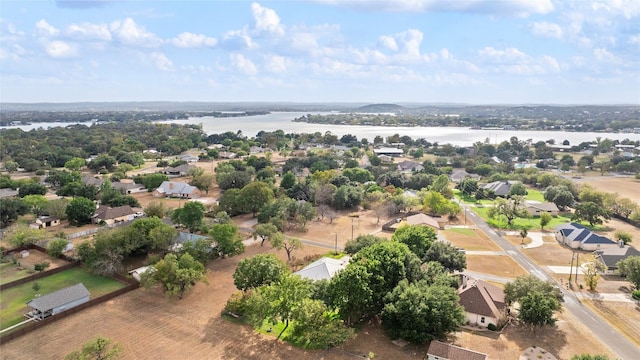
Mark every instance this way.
x=380 y=108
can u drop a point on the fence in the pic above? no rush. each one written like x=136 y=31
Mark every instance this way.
x=72 y=263
x=96 y=229
x=36 y=325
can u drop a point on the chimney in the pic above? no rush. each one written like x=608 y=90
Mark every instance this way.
x=621 y=243
x=464 y=281
x=171 y=185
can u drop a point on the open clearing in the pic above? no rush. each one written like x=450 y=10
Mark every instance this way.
x=470 y=239
x=627 y=187
x=498 y=265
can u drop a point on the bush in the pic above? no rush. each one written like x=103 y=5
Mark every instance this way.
x=41 y=266
x=492 y=327
x=237 y=304
x=56 y=247
x=636 y=295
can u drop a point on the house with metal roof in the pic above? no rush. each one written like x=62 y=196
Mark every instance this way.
x=483 y=302
x=108 y=215
x=577 y=236
x=58 y=301
x=176 y=189
x=500 y=188
x=610 y=256
x=324 y=268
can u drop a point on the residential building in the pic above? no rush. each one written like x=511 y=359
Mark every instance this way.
x=110 y=216
x=610 y=256
x=483 y=302
x=58 y=301
x=409 y=166
x=536 y=208
x=128 y=187
x=43 y=222
x=176 y=189
x=577 y=236
x=324 y=268
x=500 y=188
x=178 y=171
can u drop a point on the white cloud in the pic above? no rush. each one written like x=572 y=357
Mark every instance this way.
x=60 y=49
x=161 y=61
x=507 y=55
x=514 y=61
x=236 y=40
x=131 y=34
x=634 y=39
x=266 y=20
x=276 y=64
x=89 y=32
x=546 y=29
x=44 y=29
x=243 y=64
x=604 y=55
x=388 y=42
x=189 y=40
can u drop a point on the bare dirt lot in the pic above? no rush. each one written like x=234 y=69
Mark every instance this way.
x=470 y=239
x=498 y=265
x=627 y=187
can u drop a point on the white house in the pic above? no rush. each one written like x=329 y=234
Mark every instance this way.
x=324 y=268
x=483 y=303
x=576 y=236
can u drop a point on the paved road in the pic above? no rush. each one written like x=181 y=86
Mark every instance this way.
x=619 y=344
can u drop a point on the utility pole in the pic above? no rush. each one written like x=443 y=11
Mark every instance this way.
x=573 y=255
x=577 y=266
x=336 y=251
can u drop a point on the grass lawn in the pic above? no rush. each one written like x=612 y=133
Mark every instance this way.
x=530 y=223
x=535 y=195
x=13 y=301
x=467 y=199
x=9 y=272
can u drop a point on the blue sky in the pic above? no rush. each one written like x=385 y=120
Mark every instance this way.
x=428 y=51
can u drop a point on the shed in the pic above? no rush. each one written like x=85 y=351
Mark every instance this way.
x=58 y=301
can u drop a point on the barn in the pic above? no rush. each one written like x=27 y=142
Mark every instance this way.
x=58 y=301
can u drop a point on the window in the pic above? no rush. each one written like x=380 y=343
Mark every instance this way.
x=482 y=320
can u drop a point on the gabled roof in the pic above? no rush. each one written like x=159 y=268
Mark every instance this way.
x=543 y=206
x=182 y=169
x=597 y=239
x=460 y=174
x=410 y=165
x=452 y=352
x=59 y=298
x=90 y=180
x=106 y=213
x=175 y=187
x=323 y=268
x=500 y=188
x=423 y=219
x=126 y=186
x=611 y=256
x=480 y=297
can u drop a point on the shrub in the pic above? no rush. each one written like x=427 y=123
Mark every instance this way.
x=636 y=295
x=55 y=247
x=41 y=266
x=492 y=327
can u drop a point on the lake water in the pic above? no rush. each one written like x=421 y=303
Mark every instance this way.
x=460 y=136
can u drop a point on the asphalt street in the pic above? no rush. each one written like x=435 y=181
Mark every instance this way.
x=619 y=344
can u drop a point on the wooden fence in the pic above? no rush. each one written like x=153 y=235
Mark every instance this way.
x=27 y=328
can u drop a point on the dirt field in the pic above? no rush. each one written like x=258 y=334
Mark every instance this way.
x=498 y=265
x=470 y=239
x=627 y=187
x=12 y=272
x=517 y=240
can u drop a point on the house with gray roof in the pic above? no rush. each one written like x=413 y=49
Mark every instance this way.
x=176 y=189
x=178 y=171
x=500 y=188
x=409 y=166
x=43 y=222
x=460 y=174
x=324 y=268
x=109 y=215
x=58 y=301
x=127 y=188
x=577 y=236
x=90 y=180
x=610 y=256
x=537 y=208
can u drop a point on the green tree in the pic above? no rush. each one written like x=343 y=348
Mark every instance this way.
x=317 y=327
x=80 y=211
x=518 y=189
x=228 y=240
x=283 y=298
x=55 y=247
x=75 y=164
x=37 y=203
x=289 y=244
x=155 y=208
x=537 y=309
x=362 y=241
x=510 y=209
x=514 y=291
x=264 y=232
x=419 y=313
x=201 y=250
x=255 y=195
x=96 y=349
x=358 y=175
x=350 y=292
x=190 y=215
x=11 y=209
x=591 y=212
x=151 y=181
x=259 y=270
x=203 y=182
x=21 y=234
x=418 y=238
x=630 y=268
x=176 y=275
x=591 y=271
x=102 y=161
x=448 y=256
x=623 y=236
x=545 y=219
x=288 y=180
x=31 y=188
